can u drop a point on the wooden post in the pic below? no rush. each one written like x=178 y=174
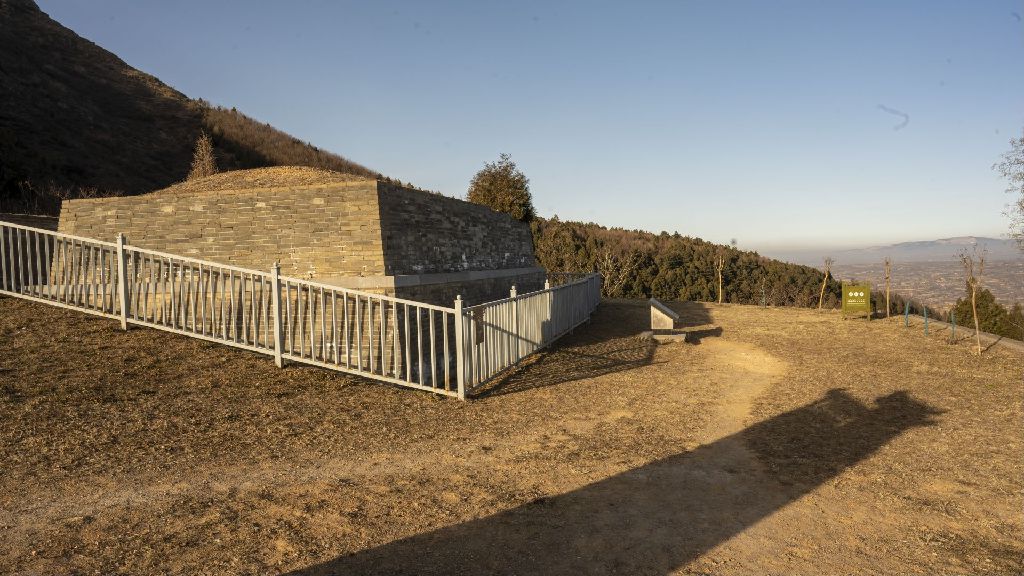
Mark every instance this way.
x=952 y=321
x=925 y=320
x=275 y=290
x=122 y=280
x=460 y=349
x=906 y=314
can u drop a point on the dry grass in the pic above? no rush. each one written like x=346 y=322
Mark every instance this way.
x=278 y=176
x=144 y=452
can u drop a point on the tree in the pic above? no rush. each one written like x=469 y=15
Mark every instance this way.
x=824 y=281
x=719 y=266
x=974 y=267
x=1011 y=167
x=203 y=161
x=888 y=276
x=1016 y=320
x=501 y=186
x=992 y=316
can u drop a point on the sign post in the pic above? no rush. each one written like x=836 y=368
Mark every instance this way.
x=856 y=299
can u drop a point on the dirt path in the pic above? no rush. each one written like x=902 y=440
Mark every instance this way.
x=653 y=519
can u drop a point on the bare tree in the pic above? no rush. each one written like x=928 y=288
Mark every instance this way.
x=719 y=266
x=616 y=271
x=974 y=267
x=204 y=163
x=888 y=277
x=828 y=268
x=1011 y=167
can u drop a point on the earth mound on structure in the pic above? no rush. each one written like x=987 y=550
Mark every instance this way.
x=273 y=177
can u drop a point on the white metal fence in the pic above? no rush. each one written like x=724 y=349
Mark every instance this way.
x=400 y=341
x=59 y=269
x=497 y=335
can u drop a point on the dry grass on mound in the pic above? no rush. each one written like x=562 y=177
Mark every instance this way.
x=278 y=176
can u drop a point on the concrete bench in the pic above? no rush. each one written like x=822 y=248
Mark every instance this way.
x=662 y=317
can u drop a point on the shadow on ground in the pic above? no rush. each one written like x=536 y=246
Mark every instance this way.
x=691 y=314
x=658 y=517
x=608 y=343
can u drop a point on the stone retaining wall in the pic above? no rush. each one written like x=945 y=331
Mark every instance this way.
x=372 y=232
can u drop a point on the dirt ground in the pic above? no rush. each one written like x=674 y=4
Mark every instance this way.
x=781 y=441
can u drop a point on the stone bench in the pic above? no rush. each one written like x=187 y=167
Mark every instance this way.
x=662 y=317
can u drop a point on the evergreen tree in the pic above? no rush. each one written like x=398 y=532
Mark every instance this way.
x=993 y=317
x=1017 y=322
x=501 y=186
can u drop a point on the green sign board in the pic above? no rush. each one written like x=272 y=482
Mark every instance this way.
x=856 y=299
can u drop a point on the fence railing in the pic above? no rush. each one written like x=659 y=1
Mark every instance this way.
x=59 y=269
x=497 y=335
x=202 y=299
x=391 y=339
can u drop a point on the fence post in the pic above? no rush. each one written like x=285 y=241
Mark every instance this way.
x=925 y=320
x=275 y=288
x=549 y=313
x=122 y=280
x=460 y=349
x=952 y=318
x=906 y=315
x=515 y=321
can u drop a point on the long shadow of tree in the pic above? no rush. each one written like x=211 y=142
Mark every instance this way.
x=653 y=519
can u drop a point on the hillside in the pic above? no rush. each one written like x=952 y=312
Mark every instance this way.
x=640 y=264
x=77 y=120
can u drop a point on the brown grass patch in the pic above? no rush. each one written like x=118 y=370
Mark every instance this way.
x=146 y=452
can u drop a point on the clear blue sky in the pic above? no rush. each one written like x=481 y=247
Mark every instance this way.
x=761 y=121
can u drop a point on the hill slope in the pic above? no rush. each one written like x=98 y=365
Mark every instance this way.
x=640 y=264
x=74 y=116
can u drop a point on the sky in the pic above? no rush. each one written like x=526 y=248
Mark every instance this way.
x=784 y=125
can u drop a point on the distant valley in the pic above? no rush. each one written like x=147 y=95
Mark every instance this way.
x=939 y=284
x=928 y=271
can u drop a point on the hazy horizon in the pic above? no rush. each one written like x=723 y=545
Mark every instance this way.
x=789 y=126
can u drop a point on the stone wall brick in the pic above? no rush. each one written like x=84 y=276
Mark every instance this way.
x=248 y=228
x=362 y=228
x=425 y=232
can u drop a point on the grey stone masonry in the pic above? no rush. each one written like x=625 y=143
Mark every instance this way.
x=362 y=234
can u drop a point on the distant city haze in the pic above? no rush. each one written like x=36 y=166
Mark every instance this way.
x=941 y=250
x=927 y=271
x=784 y=125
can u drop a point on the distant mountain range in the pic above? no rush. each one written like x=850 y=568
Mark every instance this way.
x=942 y=250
